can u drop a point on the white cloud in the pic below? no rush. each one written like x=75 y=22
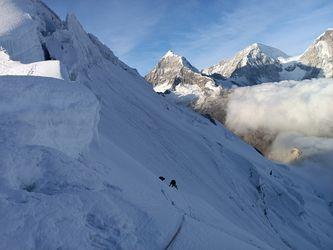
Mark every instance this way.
x=294 y=114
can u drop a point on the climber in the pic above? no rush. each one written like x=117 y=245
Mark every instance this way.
x=173 y=184
x=161 y=178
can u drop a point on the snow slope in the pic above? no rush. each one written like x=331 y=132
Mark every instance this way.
x=85 y=174
x=52 y=68
x=48 y=112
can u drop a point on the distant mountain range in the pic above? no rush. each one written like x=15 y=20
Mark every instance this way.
x=208 y=91
x=255 y=64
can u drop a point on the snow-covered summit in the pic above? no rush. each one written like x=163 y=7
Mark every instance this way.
x=269 y=51
x=174 y=73
x=256 y=63
x=319 y=56
x=173 y=70
x=180 y=61
x=260 y=63
x=169 y=53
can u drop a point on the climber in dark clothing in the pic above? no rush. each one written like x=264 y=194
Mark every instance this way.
x=173 y=184
x=161 y=178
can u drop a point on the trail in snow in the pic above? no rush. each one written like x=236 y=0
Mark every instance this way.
x=176 y=233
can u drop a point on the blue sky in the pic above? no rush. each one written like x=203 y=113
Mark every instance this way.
x=204 y=31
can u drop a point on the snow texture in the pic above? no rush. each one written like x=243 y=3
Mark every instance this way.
x=80 y=159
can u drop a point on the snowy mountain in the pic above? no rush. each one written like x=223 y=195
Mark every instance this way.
x=319 y=56
x=255 y=64
x=84 y=139
x=259 y=63
x=174 y=71
x=175 y=76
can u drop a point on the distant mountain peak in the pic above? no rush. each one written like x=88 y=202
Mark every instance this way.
x=325 y=35
x=268 y=50
x=178 y=60
x=169 y=53
x=255 y=64
x=173 y=70
x=319 y=55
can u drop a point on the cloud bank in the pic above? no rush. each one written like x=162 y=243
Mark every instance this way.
x=277 y=117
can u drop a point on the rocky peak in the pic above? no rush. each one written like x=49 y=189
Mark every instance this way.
x=255 y=64
x=270 y=52
x=319 y=56
x=173 y=70
x=178 y=61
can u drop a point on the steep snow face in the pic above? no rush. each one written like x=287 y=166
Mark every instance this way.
x=320 y=55
x=107 y=194
x=47 y=112
x=78 y=50
x=255 y=64
x=25 y=18
x=49 y=38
